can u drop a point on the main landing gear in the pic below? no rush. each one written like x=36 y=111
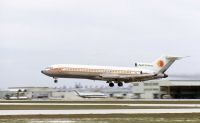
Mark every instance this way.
x=120 y=84
x=111 y=84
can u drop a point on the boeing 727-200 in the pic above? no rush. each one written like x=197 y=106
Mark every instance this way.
x=141 y=71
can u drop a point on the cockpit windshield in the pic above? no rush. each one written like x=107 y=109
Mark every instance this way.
x=48 y=68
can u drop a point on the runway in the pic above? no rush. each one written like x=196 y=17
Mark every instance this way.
x=101 y=111
x=16 y=108
x=105 y=104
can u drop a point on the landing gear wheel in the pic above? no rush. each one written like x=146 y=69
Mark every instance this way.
x=111 y=84
x=55 y=81
x=120 y=84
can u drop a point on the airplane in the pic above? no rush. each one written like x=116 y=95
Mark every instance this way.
x=110 y=74
x=90 y=94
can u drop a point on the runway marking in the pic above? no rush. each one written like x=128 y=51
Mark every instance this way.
x=101 y=111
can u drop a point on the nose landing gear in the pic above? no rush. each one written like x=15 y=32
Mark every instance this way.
x=55 y=80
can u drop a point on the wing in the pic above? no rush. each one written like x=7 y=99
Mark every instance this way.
x=126 y=78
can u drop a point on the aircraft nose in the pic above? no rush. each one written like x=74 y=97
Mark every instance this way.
x=43 y=71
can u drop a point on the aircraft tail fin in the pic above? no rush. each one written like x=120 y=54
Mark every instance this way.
x=163 y=63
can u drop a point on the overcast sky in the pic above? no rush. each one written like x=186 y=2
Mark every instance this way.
x=38 y=33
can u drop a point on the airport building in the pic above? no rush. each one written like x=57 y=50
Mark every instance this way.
x=30 y=92
x=155 y=89
x=164 y=89
x=46 y=93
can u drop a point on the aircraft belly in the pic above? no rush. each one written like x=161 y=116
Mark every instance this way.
x=140 y=79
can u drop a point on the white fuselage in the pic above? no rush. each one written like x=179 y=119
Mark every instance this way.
x=106 y=73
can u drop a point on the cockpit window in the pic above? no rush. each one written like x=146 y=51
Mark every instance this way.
x=47 y=68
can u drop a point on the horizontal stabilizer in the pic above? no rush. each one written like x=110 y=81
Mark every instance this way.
x=175 y=57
